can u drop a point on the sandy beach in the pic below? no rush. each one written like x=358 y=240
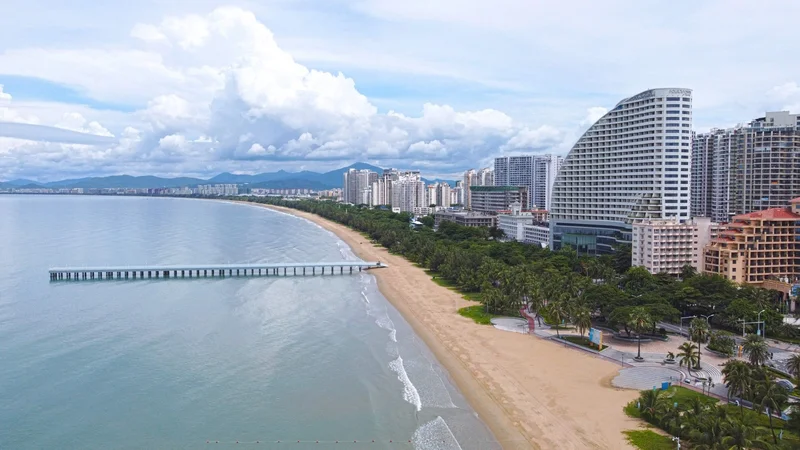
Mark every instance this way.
x=532 y=393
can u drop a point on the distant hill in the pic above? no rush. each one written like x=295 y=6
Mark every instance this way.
x=125 y=181
x=273 y=180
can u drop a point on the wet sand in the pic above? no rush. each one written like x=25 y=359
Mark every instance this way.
x=530 y=392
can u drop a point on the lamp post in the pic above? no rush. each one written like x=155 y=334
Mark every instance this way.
x=682 y=319
x=760 y=324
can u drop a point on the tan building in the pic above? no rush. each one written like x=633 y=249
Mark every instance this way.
x=759 y=248
x=666 y=245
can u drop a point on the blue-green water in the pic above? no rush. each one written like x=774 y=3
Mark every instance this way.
x=177 y=363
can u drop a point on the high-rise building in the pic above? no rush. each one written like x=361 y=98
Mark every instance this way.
x=408 y=191
x=492 y=199
x=470 y=179
x=355 y=183
x=747 y=168
x=443 y=194
x=631 y=165
x=486 y=177
x=536 y=172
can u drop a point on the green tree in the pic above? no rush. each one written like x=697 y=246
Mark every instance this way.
x=582 y=319
x=699 y=333
x=652 y=404
x=622 y=258
x=688 y=271
x=793 y=365
x=639 y=320
x=740 y=435
x=756 y=349
x=688 y=355
x=738 y=377
x=558 y=313
x=773 y=399
x=428 y=221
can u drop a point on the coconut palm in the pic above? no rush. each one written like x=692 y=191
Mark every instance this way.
x=688 y=355
x=639 y=320
x=582 y=319
x=739 y=435
x=699 y=333
x=793 y=365
x=558 y=312
x=708 y=432
x=738 y=380
x=652 y=404
x=773 y=399
x=756 y=349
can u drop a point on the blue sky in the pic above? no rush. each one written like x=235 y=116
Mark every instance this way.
x=200 y=87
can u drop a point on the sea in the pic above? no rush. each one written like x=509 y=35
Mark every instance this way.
x=178 y=363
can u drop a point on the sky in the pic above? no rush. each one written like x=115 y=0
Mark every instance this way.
x=197 y=87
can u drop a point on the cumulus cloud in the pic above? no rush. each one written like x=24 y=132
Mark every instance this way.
x=4 y=96
x=240 y=99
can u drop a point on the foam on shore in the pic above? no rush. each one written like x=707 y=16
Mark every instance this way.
x=410 y=393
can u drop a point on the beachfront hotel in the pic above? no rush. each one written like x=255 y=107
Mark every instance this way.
x=632 y=165
x=760 y=248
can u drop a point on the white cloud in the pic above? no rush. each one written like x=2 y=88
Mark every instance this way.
x=147 y=33
x=4 y=96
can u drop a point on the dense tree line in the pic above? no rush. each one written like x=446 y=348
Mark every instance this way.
x=559 y=285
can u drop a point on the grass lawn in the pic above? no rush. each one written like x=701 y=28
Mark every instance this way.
x=582 y=341
x=472 y=296
x=649 y=440
x=477 y=313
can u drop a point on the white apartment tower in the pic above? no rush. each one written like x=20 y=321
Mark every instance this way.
x=356 y=182
x=486 y=177
x=666 y=245
x=470 y=179
x=536 y=172
x=408 y=191
x=632 y=165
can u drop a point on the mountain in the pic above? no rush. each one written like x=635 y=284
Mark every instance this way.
x=125 y=181
x=291 y=183
x=21 y=182
x=335 y=178
x=274 y=180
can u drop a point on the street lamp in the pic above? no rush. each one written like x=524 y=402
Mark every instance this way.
x=760 y=324
x=678 y=440
x=682 y=319
x=708 y=322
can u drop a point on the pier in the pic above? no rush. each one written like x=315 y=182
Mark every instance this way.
x=211 y=270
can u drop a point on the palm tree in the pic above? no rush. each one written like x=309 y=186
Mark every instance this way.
x=793 y=365
x=639 y=320
x=688 y=355
x=756 y=349
x=582 y=319
x=652 y=403
x=558 y=312
x=739 y=435
x=699 y=333
x=738 y=377
x=773 y=398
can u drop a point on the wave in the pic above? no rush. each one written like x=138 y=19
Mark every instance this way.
x=435 y=435
x=410 y=393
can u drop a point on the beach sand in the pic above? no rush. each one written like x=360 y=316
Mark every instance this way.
x=530 y=392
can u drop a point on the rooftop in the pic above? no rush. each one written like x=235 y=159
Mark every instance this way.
x=769 y=214
x=494 y=188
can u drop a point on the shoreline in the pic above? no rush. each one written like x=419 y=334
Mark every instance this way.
x=529 y=392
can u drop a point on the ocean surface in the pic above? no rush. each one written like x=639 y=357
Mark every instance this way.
x=189 y=363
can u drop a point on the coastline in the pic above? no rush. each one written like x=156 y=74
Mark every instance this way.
x=531 y=393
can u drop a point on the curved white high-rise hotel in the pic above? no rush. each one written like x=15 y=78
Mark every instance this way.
x=631 y=165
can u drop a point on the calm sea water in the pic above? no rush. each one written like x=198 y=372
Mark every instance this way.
x=176 y=363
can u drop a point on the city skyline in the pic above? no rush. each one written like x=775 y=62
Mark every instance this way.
x=192 y=89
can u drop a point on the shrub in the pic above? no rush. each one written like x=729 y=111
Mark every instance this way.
x=721 y=343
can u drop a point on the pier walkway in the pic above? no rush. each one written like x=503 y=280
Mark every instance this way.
x=210 y=270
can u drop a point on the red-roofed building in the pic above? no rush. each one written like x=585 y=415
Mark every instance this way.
x=761 y=248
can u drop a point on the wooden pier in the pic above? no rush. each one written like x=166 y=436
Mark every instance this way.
x=212 y=270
